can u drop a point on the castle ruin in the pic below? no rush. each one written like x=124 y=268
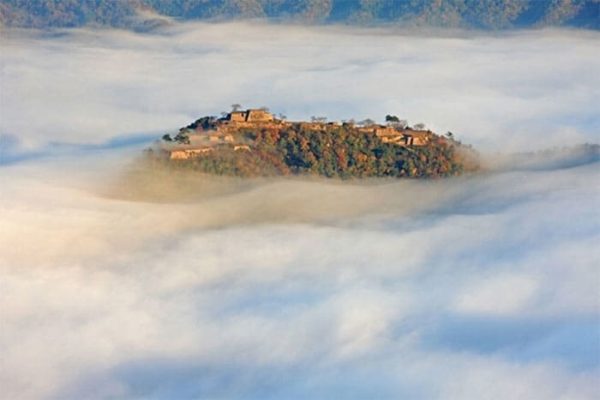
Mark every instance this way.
x=250 y=115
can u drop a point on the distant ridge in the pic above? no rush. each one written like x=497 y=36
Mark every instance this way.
x=147 y=14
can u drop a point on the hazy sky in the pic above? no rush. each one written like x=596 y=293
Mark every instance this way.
x=115 y=283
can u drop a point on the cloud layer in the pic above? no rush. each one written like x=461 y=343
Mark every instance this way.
x=486 y=285
x=533 y=89
x=119 y=283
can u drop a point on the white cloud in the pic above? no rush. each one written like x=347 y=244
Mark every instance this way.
x=106 y=292
x=504 y=90
x=118 y=282
x=497 y=295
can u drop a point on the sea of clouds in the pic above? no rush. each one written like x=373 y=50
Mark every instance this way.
x=119 y=283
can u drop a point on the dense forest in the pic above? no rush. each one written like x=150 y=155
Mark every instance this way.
x=478 y=14
x=340 y=151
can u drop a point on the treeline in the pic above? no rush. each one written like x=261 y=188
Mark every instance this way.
x=333 y=151
x=479 y=14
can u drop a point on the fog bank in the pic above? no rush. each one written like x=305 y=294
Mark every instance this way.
x=508 y=91
x=312 y=289
x=120 y=282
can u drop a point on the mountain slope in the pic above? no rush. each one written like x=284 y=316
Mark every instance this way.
x=478 y=14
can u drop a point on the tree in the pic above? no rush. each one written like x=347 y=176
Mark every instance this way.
x=236 y=107
x=419 y=127
x=318 y=119
x=167 y=138
x=182 y=137
x=401 y=124
x=367 y=122
x=396 y=122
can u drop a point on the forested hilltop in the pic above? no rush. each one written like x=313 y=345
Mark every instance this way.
x=253 y=142
x=145 y=14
